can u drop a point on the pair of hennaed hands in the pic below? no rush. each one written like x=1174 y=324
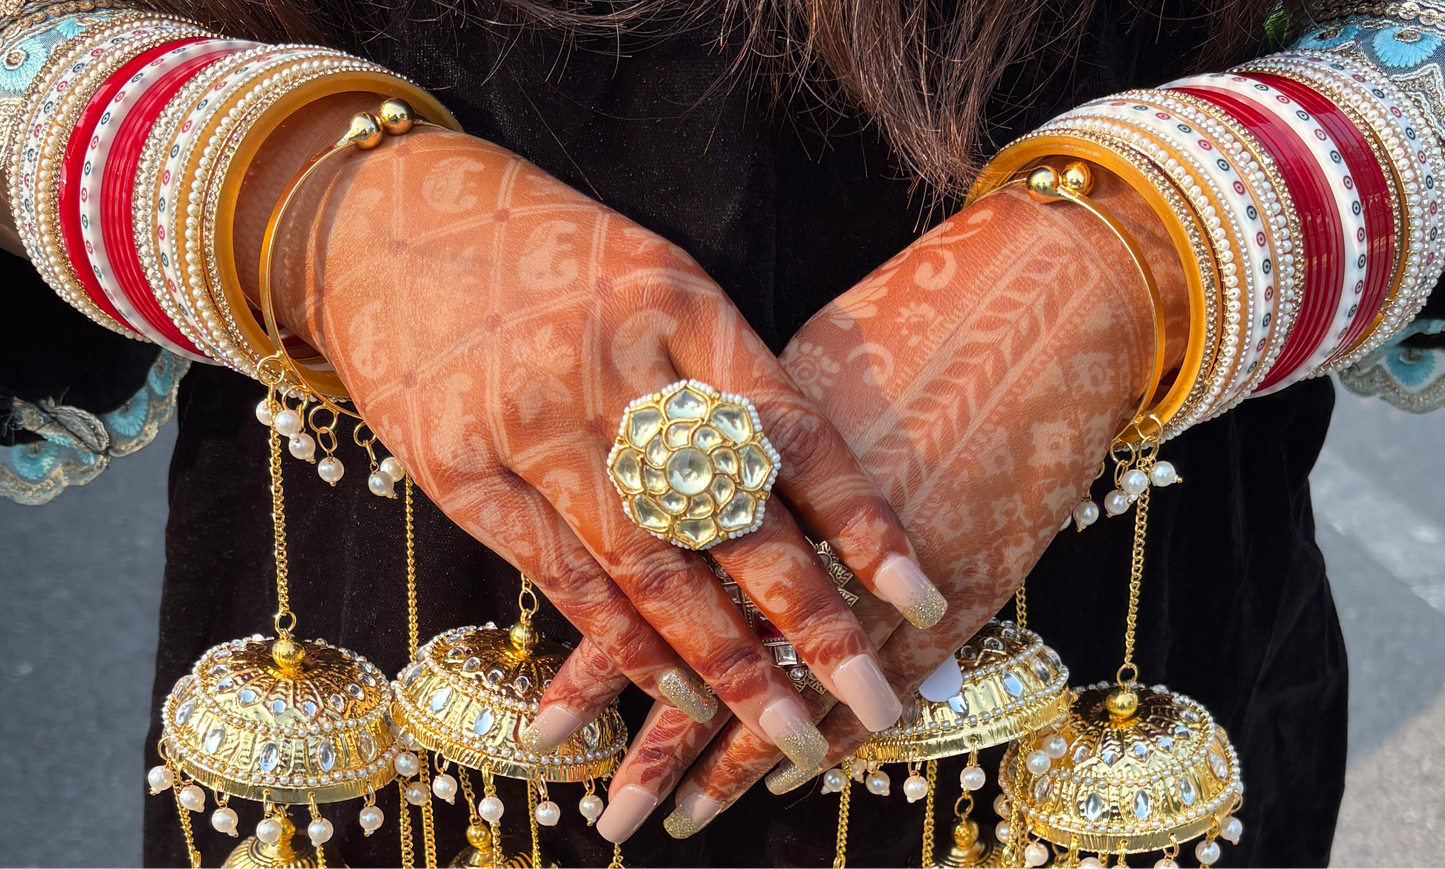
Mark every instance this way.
x=936 y=423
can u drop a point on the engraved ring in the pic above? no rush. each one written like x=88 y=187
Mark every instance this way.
x=692 y=465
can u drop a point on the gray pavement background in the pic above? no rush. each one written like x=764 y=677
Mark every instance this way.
x=80 y=580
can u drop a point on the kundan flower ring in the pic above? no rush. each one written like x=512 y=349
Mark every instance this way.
x=692 y=465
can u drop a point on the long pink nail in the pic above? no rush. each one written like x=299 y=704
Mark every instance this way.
x=787 y=724
x=626 y=813
x=902 y=583
x=861 y=685
x=549 y=729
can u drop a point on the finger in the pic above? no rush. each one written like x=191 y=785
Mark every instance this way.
x=667 y=743
x=783 y=577
x=675 y=591
x=820 y=477
x=580 y=589
x=584 y=686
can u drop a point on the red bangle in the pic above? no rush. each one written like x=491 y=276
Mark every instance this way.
x=1374 y=190
x=73 y=163
x=1322 y=242
x=118 y=195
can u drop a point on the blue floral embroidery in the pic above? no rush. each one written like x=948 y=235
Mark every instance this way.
x=1410 y=378
x=1402 y=47
x=77 y=445
x=1330 y=37
x=22 y=64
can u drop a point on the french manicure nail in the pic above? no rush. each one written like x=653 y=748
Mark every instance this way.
x=625 y=813
x=789 y=776
x=787 y=724
x=863 y=687
x=693 y=812
x=902 y=583
x=549 y=729
x=687 y=694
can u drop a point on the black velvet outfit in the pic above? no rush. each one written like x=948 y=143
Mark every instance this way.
x=1236 y=609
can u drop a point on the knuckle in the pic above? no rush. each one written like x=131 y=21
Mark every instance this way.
x=868 y=530
x=737 y=671
x=660 y=575
x=800 y=435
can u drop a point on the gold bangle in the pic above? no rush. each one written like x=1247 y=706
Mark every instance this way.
x=1184 y=228
x=395 y=117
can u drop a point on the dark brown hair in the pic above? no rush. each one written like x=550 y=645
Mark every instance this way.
x=923 y=71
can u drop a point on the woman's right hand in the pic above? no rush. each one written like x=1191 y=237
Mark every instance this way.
x=491 y=325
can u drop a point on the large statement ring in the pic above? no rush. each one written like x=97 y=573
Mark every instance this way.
x=692 y=465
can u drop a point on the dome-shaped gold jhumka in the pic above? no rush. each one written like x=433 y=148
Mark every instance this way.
x=1012 y=686
x=247 y=726
x=284 y=853
x=1140 y=773
x=473 y=690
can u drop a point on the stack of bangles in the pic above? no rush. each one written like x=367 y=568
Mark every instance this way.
x=1300 y=193
x=126 y=156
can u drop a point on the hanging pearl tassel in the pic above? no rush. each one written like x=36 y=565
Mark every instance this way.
x=1035 y=854
x=1207 y=851
x=591 y=807
x=1086 y=514
x=160 y=778
x=288 y=423
x=833 y=781
x=1054 y=745
x=417 y=794
x=1038 y=762
x=392 y=467
x=1001 y=806
x=1165 y=863
x=1090 y=863
x=224 y=820
x=406 y=764
x=193 y=798
x=303 y=447
x=319 y=832
x=491 y=810
x=1163 y=474
x=1116 y=502
x=1230 y=830
x=548 y=813
x=269 y=831
x=972 y=778
x=381 y=485
x=266 y=412
x=330 y=469
x=445 y=786
x=1134 y=483
x=878 y=783
x=371 y=818
x=1002 y=831
x=915 y=788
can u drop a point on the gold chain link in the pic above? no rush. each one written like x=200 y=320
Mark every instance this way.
x=532 y=822
x=428 y=823
x=932 y=776
x=403 y=820
x=1021 y=607
x=412 y=628
x=191 y=852
x=468 y=795
x=316 y=816
x=1136 y=573
x=278 y=522
x=840 y=858
x=616 y=858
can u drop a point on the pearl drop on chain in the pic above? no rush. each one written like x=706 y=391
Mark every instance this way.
x=1231 y=829
x=330 y=469
x=1090 y=863
x=392 y=467
x=1163 y=474
x=591 y=807
x=445 y=786
x=1035 y=854
x=1002 y=831
x=319 y=832
x=1116 y=502
x=1038 y=763
x=193 y=798
x=1086 y=514
x=417 y=794
x=269 y=831
x=548 y=813
x=1134 y=482
x=1165 y=863
x=915 y=788
x=1001 y=806
x=303 y=447
x=264 y=413
x=381 y=485
x=491 y=808
x=370 y=819
x=160 y=778
x=224 y=820
x=1054 y=746
x=406 y=764
x=288 y=423
x=833 y=781
x=1207 y=851
x=878 y=783
x=972 y=778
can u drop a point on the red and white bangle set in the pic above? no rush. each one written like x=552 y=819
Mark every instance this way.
x=1311 y=178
